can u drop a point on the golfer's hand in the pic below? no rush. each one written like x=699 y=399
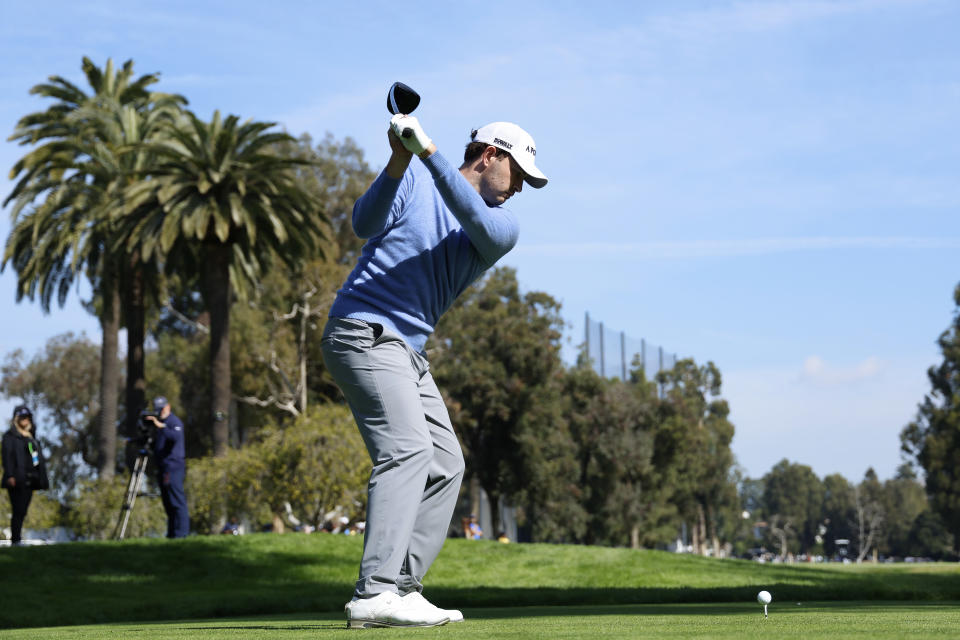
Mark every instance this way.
x=11 y=482
x=396 y=146
x=417 y=141
x=399 y=159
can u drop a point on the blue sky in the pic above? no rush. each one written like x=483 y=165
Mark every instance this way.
x=768 y=185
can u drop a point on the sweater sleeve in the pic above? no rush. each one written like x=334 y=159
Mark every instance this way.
x=493 y=231
x=378 y=207
x=9 y=459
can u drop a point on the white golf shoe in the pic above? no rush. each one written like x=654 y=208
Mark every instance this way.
x=388 y=609
x=417 y=601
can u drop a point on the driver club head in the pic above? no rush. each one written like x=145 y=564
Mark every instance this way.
x=402 y=99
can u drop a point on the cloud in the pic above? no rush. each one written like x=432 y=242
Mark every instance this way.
x=818 y=370
x=732 y=248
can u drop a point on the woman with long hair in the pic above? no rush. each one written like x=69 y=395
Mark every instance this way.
x=24 y=468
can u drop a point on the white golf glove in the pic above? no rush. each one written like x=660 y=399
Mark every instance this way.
x=416 y=141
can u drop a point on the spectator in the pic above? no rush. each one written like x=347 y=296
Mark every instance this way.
x=231 y=528
x=474 y=532
x=24 y=467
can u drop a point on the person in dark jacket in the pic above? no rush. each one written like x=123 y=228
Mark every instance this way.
x=24 y=468
x=170 y=456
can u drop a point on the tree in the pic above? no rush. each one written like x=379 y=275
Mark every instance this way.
x=868 y=507
x=794 y=493
x=315 y=464
x=783 y=531
x=221 y=202
x=929 y=538
x=60 y=385
x=122 y=133
x=904 y=500
x=337 y=175
x=742 y=532
x=275 y=346
x=839 y=514
x=281 y=369
x=933 y=438
x=551 y=496
x=692 y=449
x=751 y=496
x=88 y=154
x=620 y=474
x=492 y=353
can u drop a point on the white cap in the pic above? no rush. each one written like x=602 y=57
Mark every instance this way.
x=510 y=137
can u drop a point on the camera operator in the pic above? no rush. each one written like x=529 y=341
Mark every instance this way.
x=169 y=453
x=24 y=468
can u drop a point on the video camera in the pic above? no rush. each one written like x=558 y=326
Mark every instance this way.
x=146 y=429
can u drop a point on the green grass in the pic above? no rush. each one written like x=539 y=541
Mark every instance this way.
x=218 y=577
x=787 y=620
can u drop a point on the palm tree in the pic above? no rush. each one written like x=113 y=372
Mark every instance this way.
x=48 y=248
x=66 y=189
x=123 y=130
x=222 y=203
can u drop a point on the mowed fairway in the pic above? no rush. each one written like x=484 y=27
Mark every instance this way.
x=295 y=586
x=737 y=620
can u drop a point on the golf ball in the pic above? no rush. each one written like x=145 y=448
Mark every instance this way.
x=764 y=597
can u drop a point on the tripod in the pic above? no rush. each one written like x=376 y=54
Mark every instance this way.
x=133 y=490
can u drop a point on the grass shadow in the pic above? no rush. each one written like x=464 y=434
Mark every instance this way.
x=259 y=575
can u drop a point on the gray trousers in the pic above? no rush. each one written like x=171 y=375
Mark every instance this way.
x=417 y=461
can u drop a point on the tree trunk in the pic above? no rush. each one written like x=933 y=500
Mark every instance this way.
x=109 y=374
x=302 y=354
x=277 y=521
x=475 y=495
x=494 y=500
x=217 y=292
x=702 y=526
x=135 y=320
x=233 y=428
x=635 y=537
x=714 y=539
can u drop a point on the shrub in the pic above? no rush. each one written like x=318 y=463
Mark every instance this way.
x=316 y=463
x=93 y=510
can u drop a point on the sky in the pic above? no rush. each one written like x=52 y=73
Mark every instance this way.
x=770 y=186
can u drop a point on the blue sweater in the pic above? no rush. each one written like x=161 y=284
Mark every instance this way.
x=168 y=447
x=429 y=236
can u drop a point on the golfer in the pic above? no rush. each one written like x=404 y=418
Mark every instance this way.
x=431 y=231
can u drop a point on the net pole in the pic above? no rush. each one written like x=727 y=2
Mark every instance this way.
x=623 y=356
x=603 y=368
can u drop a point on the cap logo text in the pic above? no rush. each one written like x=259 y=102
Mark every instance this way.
x=531 y=150
x=502 y=143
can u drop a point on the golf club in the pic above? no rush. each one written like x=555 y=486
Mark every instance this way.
x=402 y=99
